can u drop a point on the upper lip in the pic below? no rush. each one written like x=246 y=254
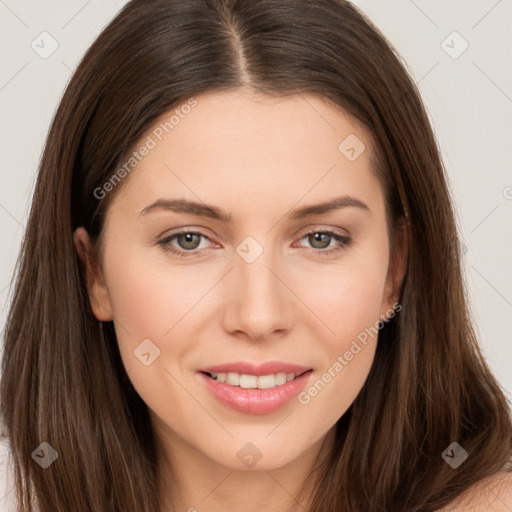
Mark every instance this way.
x=248 y=368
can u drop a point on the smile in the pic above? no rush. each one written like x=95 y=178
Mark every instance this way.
x=255 y=389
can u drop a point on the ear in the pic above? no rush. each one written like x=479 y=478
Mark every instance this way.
x=99 y=296
x=396 y=269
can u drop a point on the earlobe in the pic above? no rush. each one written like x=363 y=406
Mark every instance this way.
x=99 y=296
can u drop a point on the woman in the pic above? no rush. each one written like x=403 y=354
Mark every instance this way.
x=244 y=279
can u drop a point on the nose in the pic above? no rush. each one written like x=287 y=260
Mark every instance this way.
x=259 y=303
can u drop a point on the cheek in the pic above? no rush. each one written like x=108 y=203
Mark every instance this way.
x=348 y=302
x=150 y=299
x=152 y=302
x=352 y=314
x=344 y=299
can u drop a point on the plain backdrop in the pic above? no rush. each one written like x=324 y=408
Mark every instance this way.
x=458 y=52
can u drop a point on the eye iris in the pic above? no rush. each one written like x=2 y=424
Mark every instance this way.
x=185 y=240
x=315 y=237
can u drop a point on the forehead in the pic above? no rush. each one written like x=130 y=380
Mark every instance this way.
x=246 y=148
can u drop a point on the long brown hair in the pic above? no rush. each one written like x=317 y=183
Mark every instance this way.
x=63 y=381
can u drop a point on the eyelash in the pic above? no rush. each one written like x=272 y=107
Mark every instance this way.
x=344 y=241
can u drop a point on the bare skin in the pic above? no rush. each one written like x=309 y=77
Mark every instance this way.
x=259 y=159
x=492 y=494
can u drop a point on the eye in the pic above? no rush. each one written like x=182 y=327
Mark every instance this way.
x=188 y=243
x=322 y=239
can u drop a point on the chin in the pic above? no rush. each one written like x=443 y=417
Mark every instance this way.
x=257 y=453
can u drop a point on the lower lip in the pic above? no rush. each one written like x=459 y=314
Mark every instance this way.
x=256 y=401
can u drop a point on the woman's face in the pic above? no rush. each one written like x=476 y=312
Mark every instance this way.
x=284 y=314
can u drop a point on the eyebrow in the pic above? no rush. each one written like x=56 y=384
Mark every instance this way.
x=213 y=212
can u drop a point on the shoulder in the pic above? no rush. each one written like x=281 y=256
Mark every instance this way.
x=492 y=494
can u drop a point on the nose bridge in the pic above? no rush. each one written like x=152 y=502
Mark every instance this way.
x=258 y=302
x=254 y=276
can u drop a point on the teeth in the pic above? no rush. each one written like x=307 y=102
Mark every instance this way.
x=248 y=381
x=254 y=381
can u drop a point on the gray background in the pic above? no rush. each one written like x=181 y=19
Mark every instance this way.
x=468 y=97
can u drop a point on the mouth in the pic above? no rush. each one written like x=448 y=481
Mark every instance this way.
x=253 y=389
